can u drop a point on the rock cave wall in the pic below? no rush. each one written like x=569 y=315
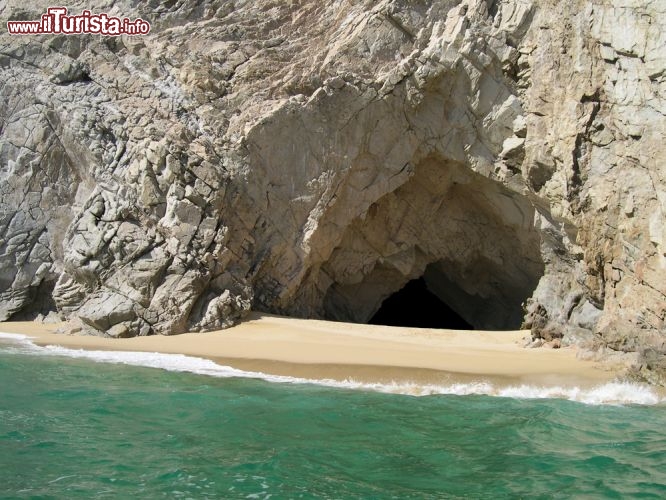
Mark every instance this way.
x=311 y=158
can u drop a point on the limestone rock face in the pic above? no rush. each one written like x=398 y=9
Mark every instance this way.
x=310 y=158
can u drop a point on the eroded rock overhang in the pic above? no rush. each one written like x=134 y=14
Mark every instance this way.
x=362 y=188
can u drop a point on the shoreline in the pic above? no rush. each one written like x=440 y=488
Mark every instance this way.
x=317 y=349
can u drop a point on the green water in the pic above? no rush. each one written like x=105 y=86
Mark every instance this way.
x=78 y=429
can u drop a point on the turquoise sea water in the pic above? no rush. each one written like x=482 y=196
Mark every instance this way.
x=79 y=428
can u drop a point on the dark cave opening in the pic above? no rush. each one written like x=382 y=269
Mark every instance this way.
x=468 y=243
x=416 y=306
x=40 y=302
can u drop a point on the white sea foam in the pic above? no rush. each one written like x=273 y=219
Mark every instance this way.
x=13 y=337
x=608 y=393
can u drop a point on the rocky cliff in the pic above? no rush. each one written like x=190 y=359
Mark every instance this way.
x=310 y=158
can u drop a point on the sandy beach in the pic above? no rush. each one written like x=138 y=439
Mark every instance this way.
x=324 y=349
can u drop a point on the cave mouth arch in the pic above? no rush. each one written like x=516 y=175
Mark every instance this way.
x=471 y=239
x=414 y=305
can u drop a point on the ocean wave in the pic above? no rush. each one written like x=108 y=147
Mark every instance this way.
x=611 y=393
x=18 y=337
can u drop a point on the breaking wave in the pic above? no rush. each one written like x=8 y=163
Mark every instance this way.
x=614 y=393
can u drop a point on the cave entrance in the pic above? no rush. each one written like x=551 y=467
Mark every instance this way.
x=414 y=305
x=468 y=241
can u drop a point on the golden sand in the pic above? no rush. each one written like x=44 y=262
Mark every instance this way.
x=324 y=349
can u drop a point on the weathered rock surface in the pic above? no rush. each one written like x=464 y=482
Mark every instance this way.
x=310 y=158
